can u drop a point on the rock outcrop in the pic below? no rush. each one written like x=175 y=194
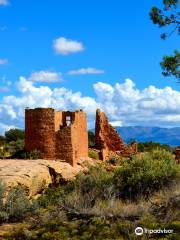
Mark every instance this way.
x=34 y=176
x=107 y=139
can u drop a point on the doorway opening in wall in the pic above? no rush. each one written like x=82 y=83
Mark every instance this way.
x=68 y=120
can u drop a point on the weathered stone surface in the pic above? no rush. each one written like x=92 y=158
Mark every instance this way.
x=105 y=134
x=108 y=140
x=39 y=131
x=57 y=135
x=36 y=175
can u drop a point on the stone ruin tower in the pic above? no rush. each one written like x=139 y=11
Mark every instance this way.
x=56 y=134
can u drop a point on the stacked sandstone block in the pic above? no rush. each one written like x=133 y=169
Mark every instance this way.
x=108 y=140
x=39 y=131
x=56 y=137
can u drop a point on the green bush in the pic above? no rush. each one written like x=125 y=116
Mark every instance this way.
x=35 y=154
x=150 y=146
x=3 y=214
x=93 y=154
x=2 y=194
x=143 y=175
x=17 y=204
x=52 y=196
x=15 y=146
x=14 y=205
x=2 y=152
x=32 y=155
x=97 y=177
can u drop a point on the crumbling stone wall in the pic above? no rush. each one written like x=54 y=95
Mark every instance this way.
x=64 y=135
x=57 y=135
x=72 y=138
x=108 y=140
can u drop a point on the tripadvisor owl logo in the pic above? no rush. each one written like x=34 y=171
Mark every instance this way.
x=139 y=231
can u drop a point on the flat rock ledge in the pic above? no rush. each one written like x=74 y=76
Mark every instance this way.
x=34 y=176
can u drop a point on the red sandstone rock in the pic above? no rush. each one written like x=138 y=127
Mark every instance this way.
x=108 y=140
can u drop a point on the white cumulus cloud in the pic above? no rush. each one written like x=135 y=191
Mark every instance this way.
x=45 y=76
x=84 y=71
x=66 y=46
x=123 y=103
x=150 y=106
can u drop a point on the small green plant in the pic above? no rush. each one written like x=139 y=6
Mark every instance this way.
x=15 y=146
x=93 y=154
x=2 y=152
x=52 y=196
x=150 y=146
x=14 y=205
x=22 y=154
x=35 y=154
x=17 y=204
x=2 y=194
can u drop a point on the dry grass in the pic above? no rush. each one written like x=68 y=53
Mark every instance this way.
x=116 y=207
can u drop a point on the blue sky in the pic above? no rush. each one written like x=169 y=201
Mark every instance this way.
x=117 y=38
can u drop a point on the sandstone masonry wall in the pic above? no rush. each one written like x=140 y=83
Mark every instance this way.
x=39 y=131
x=108 y=140
x=58 y=135
x=80 y=135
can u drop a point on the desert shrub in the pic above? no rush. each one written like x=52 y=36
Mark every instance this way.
x=88 y=188
x=93 y=154
x=32 y=155
x=95 y=228
x=112 y=161
x=97 y=178
x=35 y=154
x=150 y=146
x=14 y=205
x=115 y=160
x=143 y=175
x=3 y=214
x=96 y=183
x=17 y=204
x=15 y=146
x=2 y=195
x=2 y=152
x=52 y=196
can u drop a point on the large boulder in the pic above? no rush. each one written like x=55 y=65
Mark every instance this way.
x=36 y=175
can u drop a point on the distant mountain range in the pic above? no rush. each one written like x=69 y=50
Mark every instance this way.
x=170 y=136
